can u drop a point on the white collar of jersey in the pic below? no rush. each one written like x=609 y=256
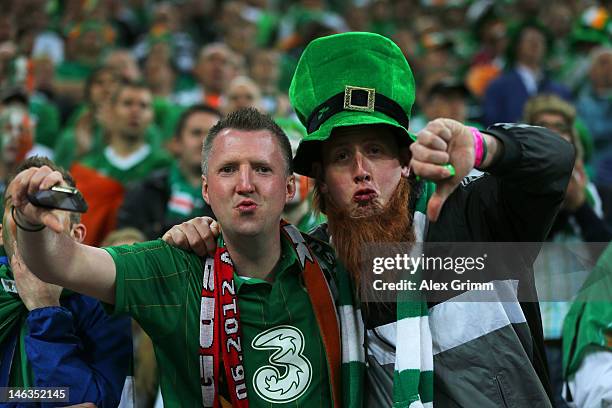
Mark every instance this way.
x=124 y=163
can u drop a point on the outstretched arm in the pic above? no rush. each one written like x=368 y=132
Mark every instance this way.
x=48 y=251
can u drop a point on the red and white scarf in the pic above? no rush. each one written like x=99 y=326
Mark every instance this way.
x=220 y=337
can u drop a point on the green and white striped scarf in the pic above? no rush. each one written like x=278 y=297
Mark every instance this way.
x=413 y=373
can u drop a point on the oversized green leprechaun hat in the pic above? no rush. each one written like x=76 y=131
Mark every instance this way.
x=350 y=79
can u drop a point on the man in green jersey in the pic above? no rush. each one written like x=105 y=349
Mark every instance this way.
x=255 y=328
x=103 y=175
x=172 y=194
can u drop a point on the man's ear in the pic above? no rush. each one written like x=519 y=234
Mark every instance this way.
x=290 y=188
x=78 y=232
x=404 y=157
x=406 y=171
x=205 y=189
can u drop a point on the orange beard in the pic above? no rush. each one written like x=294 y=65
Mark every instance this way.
x=352 y=230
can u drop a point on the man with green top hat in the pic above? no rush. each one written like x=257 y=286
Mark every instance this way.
x=354 y=92
x=255 y=324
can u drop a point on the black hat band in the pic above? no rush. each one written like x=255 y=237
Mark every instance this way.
x=356 y=99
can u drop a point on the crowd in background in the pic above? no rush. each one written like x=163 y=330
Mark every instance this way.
x=121 y=92
x=476 y=61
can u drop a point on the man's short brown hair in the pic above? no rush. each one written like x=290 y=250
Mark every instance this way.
x=252 y=120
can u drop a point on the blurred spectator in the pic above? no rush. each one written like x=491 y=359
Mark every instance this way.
x=83 y=132
x=16 y=138
x=558 y=272
x=161 y=76
x=406 y=40
x=230 y=15
x=241 y=35
x=554 y=113
x=217 y=65
x=265 y=71
x=45 y=117
x=266 y=18
x=405 y=11
x=357 y=17
x=159 y=73
x=86 y=44
x=18 y=129
x=198 y=16
x=505 y=97
x=489 y=59
x=587 y=340
x=8 y=52
x=8 y=28
x=453 y=15
x=299 y=211
x=381 y=18
x=591 y=30
x=172 y=195
x=594 y=106
x=129 y=19
x=558 y=19
x=19 y=72
x=45 y=42
x=102 y=175
x=436 y=53
x=446 y=98
x=44 y=72
x=44 y=113
x=145 y=367
x=303 y=23
x=123 y=63
x=303 y=12
x=165 y=27
x=51 y=337
x=241 y=92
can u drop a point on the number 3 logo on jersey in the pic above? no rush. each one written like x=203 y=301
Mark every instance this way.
x=295 y=374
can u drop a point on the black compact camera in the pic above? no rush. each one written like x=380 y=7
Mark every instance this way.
x=59 y=198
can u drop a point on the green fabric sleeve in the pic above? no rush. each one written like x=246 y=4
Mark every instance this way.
x=152 y=282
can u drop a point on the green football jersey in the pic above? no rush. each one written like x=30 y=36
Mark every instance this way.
x=142 y=164
x=284 y=356
x=66 y=145
x=185 y=201
x=47 y=118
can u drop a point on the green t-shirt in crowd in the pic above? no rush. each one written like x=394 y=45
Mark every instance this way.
x=160 y=286
x=65 y=147
x=47 y=118
x=136 y=168
x=185 y=201
x=166 y=116
x=73 y=71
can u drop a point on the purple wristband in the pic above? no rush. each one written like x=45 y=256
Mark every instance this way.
x=478 y=147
